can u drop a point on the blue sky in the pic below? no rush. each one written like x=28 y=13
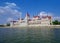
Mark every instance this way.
x=11 y=9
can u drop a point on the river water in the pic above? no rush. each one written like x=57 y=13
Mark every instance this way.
x=29 y=35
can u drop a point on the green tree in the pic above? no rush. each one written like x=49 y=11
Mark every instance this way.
x=55 y=22
x=8 y=24
x=59 y=23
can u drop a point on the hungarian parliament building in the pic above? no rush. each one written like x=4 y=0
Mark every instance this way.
x=35 y=20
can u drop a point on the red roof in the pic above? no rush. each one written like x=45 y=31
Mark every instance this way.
x=46 y=17
x=13 y=21
x=29 y=20
x=36 y=16
x=49 y=17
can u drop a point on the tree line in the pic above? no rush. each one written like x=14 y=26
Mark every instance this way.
x=56 y=22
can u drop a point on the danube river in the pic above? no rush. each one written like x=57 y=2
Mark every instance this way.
x=29 y=35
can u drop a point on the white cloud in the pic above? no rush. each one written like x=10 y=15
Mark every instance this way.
x=9 y=10
x=11 y=4
x=43 y=13
x=9 y=19
x=56 y=18
x=50 y=14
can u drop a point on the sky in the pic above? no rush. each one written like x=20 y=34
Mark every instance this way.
x=12 y=9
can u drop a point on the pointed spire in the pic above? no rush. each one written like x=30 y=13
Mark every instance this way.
x=27 y=14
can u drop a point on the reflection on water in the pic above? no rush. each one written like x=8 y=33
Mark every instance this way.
x=29 y=35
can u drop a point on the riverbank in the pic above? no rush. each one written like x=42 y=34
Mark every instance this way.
x=45 y=26
x=34 y=26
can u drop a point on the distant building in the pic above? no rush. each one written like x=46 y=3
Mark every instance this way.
x=44 y=20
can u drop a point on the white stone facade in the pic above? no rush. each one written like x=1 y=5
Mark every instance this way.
x=46 y=20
